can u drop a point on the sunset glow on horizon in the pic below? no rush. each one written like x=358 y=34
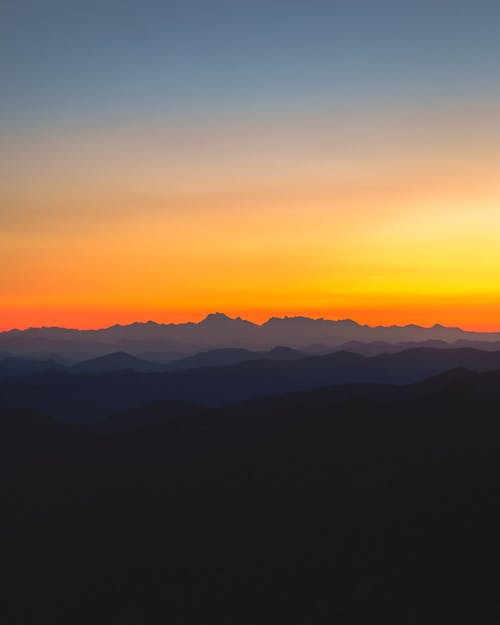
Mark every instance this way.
x=163 y=167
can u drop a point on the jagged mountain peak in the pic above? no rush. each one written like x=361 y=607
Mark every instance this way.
x=216 y=316
x=220 y=318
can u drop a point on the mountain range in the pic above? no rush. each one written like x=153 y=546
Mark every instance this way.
x=11 y=366
x=93 y=394
x=200 y=470
x=171 y=341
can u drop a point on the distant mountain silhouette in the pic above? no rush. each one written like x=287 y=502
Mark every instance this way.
x=229 y=356
x=281 y=352
x=122 y=361
x=116 y=361
x=93 y=397
x=12 y=366
x=218 y=331
x=373 y=348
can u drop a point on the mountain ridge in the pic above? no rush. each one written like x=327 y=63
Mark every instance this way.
x=94 y=396
x=218 y=331
x=220 y=317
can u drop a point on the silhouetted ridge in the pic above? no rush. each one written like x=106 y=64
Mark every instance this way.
x=215 y=357
x=93 y=397
x=284 y=353
x=218 y=331
x=116 y=361
x=12 y=366
x=234 y=355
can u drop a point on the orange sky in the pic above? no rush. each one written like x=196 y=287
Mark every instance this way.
x=381 y=219
x=164 y=160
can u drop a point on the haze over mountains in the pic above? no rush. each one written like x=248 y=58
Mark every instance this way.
x=168 y=342
x=337 y=478
x=11 y=366
x=88 y=393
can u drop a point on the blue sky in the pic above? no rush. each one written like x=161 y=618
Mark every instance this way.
x=76 y=60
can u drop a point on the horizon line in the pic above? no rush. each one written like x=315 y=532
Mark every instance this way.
x=240 y=318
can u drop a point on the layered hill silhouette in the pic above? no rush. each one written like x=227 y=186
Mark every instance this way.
x=229 y=356
x=13 y=366
x=122 y=361
x=240 y=482
x=329 y=505
x=116 y=361
x=220 y=331
x=93 y=396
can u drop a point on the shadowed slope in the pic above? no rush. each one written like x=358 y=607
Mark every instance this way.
x=323 y=506
x=115 y=361
x=95 y=396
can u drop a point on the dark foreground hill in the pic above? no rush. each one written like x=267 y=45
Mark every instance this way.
x=345 y=505
x=90 y=397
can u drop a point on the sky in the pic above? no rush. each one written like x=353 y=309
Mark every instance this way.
x=162 y=160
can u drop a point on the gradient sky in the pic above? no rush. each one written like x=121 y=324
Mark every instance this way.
x=168 y=159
